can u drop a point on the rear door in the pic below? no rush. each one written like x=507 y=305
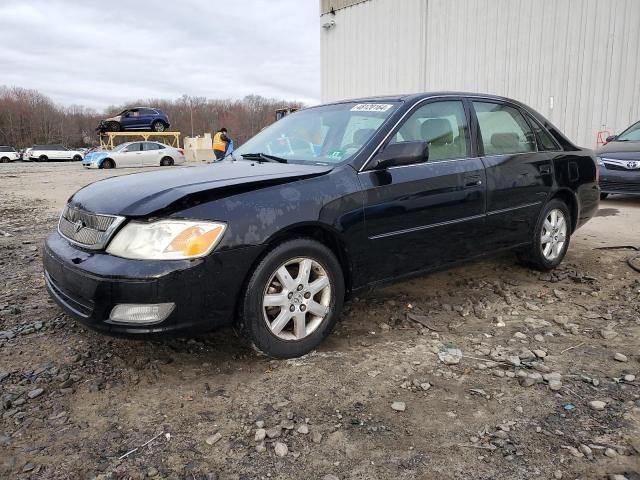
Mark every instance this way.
x=430 y=213
x=519 y=177
x=151 y=154
x=146 y=118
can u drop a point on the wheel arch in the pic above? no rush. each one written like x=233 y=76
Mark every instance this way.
x=569 y=198
x=105 y=159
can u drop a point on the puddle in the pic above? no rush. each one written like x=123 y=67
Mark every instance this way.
x=607 y=212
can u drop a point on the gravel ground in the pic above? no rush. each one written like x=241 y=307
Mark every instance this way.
x=487 y=371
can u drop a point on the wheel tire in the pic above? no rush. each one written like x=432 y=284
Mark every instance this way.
x=253 y=316
x=603 y=196
x=166 y=162
x=113 y=127
x=77 y=158
x=158 y=126
x=43 y=158
x=534 y=256
x=4 y=160
x=108 y=164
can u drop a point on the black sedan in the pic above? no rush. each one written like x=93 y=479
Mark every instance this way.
x=619 y=161
x=326 y=202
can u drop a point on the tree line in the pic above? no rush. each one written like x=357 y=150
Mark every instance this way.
x=27 y=117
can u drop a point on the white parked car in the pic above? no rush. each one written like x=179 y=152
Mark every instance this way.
x=8 y=154
x=57 y=152
x=135 y=154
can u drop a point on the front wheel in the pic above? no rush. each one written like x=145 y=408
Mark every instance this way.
x=603 y=196
x=108 y=164
x=551 y=237
x=43 y=158
x=293 y=299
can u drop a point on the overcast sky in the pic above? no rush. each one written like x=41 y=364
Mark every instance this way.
x=98 y=53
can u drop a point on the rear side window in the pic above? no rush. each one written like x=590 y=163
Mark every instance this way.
x=151 y=146
x=147 y=111
x=443 y=125
x=7 y=149
x=503 y=129
x=544 y=138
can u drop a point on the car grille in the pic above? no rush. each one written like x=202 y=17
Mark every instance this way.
x=89 y=230
x=616 y=186
x=613 y=166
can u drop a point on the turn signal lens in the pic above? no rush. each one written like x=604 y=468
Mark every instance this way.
x=195 y=241
x=166 y=240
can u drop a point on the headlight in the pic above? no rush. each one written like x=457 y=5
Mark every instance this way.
x=166 y=240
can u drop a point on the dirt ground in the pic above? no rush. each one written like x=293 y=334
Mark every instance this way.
x=532 y=350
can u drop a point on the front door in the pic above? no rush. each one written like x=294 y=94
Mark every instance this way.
x=519 y=177
x=131 y=156
x=431 y=213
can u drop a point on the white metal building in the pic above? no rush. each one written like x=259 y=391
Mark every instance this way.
x=575 y=61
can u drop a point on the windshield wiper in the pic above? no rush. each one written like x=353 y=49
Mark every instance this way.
x=264 y=157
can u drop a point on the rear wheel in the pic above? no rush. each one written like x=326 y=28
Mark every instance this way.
x=603 y=196
x=43 y=158
x=166 y=162
x=4 y=160
x=158 y=126
x=108 y=163
x=77 y=158
x=293 y=299
x=551 y=237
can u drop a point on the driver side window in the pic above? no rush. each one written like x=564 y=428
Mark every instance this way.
x=443 y=125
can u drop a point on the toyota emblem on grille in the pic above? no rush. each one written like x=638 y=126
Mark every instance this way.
x=79 y=225
x=633 y=164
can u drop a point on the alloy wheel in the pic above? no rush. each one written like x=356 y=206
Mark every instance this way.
x=553 y=235
x=297 y=299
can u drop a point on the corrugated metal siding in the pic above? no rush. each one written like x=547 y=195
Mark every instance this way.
x=327 y=5
x=583 y=53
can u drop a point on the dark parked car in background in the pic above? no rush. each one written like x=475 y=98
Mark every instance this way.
x=619 y=161
x=138 y=118
x=326 y=202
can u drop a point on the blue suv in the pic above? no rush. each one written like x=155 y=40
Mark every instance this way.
x=138 y=118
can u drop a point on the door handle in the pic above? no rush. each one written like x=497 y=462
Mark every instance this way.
x=545 y=169
x=472 y=181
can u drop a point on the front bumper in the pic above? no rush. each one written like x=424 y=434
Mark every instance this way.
x=87 y=285
x=620 y=181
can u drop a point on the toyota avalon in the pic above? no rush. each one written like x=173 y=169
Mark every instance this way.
x=324 y=203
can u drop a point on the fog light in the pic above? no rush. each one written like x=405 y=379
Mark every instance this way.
x=140 y=314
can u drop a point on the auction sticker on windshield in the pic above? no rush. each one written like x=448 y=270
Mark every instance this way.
x=371 y=107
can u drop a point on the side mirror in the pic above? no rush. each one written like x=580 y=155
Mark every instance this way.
x=403 y=153
x=610 y=138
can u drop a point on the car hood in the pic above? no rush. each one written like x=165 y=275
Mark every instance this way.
x=93 y=156
x=113 y=119
x=165 y=191
x=622 y=150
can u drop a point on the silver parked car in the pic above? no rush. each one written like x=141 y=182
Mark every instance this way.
x=135 y=154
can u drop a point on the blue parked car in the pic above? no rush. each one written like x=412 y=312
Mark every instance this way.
x=138 y=118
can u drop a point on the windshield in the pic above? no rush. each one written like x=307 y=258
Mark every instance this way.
x=322 y=135
x=120 y=147
x=631 y=134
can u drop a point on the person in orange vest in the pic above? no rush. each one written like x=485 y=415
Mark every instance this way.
x=220 y=142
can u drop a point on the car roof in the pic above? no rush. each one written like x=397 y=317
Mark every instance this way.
x=423 y=95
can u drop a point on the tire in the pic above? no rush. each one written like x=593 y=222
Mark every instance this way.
x=158 y=126
x=113 y=127
x=108 y=164
x=555 y=248
x=166 y=162
x=77 y=158
x=257 y=322
x=603 y=196
x=43 y=158
x=4 y=160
